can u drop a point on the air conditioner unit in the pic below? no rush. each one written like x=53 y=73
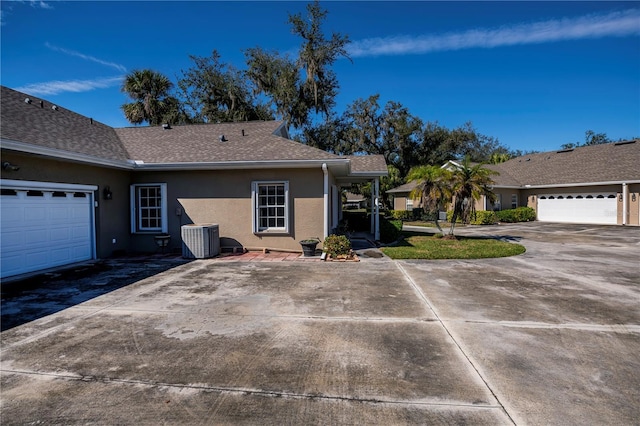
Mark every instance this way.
x=200 y=241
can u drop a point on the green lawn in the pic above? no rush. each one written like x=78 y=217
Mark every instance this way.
x=421 y=246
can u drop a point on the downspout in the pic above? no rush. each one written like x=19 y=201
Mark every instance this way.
x=625 y=206
x=325 y=171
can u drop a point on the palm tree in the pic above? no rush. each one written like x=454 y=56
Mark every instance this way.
x=469 y=183
x=149 y=91
x=432 y=189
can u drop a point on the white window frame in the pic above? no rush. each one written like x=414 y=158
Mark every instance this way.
x=136 y=210
x=514 y=201
x=408 y=204
x=255 y=202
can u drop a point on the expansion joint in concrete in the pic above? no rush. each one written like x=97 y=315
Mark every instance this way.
x=455 y=341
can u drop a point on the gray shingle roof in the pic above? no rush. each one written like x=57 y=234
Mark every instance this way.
x=72 y=133
x=368 y=163
x=612 y=162
x=407 y=187
x=38 y=123
x=201 y=143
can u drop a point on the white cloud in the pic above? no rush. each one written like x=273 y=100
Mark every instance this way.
x=615 y=24
x=40 y=4
x=7 y=6
x=57 y=87
x=114 y=65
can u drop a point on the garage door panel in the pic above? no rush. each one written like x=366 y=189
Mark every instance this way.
x=60 y=256
x=37 y=258
x=43 y=231
x=578 y=210
x=33 y=213
x=79 y=233
x=11 y=215
x=61 y=235
x=59 y=214
x=78 y=252
x=36 y=236
x=11 y=239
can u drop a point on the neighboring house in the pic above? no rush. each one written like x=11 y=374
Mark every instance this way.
x=402 y=199
x=74 y=189
x=355 y=201
x=597 y=184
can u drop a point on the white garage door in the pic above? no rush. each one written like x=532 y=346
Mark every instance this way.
x=578 y=208
x=45 y=225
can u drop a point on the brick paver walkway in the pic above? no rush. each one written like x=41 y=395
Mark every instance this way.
x=258 y=256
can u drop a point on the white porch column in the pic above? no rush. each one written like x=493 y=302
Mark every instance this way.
x=625 y=203
x=327 y=214
x=376 y=185
x=335 y=205
x=372 y=228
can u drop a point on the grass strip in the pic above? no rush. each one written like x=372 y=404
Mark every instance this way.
x=420 y=246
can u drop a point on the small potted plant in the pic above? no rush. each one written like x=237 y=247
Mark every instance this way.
x=309 y=246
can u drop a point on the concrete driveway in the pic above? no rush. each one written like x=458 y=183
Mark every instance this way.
x=548 y=337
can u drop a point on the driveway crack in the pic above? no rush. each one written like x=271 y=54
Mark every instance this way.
x=426 y=301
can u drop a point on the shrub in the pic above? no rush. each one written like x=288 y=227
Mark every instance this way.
x=520 y=214
x=450 y=216
x=525 y=214
x=483 y=217
x=427 y=216
x=508 y=216
x=402 y=214
x=336 y=245
x=390 y=230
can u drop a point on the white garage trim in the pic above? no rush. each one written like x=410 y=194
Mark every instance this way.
x=591 y=208
x=45 y=186
x=45 y=225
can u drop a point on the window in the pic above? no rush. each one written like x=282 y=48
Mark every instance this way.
x=270 y=207
x=149 y=208
x=409 y=204
x=514 y=201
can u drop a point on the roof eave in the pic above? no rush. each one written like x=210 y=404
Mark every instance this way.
x=570 y=185
x=236 y=165
x=75 y=157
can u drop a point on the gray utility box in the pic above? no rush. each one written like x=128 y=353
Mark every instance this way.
x=200 y=241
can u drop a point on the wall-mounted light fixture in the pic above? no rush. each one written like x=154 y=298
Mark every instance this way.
x=10 y=167
x=106 y=193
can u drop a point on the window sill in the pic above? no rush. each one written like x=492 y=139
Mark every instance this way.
x=277 y=233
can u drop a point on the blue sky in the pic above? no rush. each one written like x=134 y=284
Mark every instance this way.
x=534 y=75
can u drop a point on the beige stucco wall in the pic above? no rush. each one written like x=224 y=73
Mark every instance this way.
x=224 y=197
x=112 y=216
x=633 y=205
x=400 y=201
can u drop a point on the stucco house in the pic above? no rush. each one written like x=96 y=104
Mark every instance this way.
x=75 y=189
x=597 y=184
